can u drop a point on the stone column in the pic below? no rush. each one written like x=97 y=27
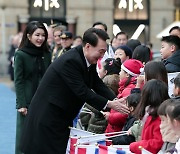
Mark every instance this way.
x=9 y=12
x=3 y=55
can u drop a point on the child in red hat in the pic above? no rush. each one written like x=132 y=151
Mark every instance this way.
x=130 y=69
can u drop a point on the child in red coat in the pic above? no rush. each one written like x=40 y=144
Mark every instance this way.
x=130 y=69
x=153 y=94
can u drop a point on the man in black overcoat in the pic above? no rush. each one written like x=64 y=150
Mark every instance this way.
x=69 y=82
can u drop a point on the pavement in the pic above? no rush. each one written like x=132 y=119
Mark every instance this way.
x=7 y=116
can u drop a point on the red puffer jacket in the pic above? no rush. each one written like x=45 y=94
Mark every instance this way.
x=116 y=119
x=151 y=138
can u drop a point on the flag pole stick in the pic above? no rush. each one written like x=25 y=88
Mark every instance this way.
x=112 y=133
x=102 y=138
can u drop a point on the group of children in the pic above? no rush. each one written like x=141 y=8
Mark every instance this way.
x=145 y=95
x=154 y=119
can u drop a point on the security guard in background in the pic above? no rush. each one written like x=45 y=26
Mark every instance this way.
x=66 y=42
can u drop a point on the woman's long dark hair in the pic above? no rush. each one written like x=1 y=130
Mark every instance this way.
x=155 y=70
x=153 y=94
x=31 y=27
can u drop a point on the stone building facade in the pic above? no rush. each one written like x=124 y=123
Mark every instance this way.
x=85 y=13
x=81 y=14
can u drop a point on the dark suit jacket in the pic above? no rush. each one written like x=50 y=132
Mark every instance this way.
x=172 y=63
x=65 y=87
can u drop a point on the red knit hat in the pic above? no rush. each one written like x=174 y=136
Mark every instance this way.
x=133 y=67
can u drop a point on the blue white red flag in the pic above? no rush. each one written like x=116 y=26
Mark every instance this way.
x=72 y=144
x=85 y=141
x=110 y=150
x=87 y=149
x=101 y=149
x=79 y=132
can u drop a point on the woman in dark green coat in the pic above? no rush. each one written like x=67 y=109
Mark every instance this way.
x=31 y=61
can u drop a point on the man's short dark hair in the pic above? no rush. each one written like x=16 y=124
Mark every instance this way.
x=177 y=81
x=174 y=40
x=91 y=36
x=174 y=28
x=100 y=23
x=122 y=33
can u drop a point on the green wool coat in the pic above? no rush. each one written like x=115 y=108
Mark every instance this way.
x=23 y=78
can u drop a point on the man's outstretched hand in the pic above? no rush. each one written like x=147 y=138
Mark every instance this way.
x=119 y=105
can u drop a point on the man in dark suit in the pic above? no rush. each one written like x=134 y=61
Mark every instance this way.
x=69 y=82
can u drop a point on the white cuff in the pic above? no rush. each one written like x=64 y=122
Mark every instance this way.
x=106 y=105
